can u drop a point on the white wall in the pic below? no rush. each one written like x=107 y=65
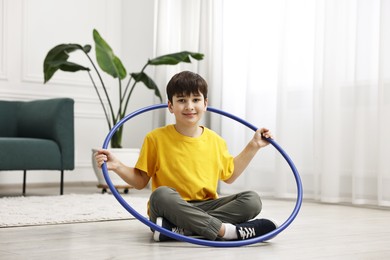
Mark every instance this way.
x=28 y=29
x=137 y=48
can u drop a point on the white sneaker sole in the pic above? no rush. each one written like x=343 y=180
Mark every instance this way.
x=156 y=234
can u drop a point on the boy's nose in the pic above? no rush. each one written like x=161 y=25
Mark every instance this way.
x=190 y=106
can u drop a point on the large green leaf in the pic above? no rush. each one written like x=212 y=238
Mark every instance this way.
x=106 y=58
x=175 y=58
x=57 y=59
x=149 y=83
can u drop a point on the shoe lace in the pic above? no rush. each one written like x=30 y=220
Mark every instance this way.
x=247 y=232
x=178 y=230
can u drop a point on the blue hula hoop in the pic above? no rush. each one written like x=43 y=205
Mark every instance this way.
x=192 y=240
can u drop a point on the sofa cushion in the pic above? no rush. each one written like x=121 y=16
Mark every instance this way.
x=29 y=153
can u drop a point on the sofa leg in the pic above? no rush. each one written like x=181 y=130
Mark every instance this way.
x=24 y=182
x=62 y=183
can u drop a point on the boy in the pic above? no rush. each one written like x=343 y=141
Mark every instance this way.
x=185 y=162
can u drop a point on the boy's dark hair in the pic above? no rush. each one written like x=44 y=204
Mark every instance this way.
x=186 y=83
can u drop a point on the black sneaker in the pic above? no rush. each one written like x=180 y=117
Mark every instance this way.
x=254 y=228
x=159 y=237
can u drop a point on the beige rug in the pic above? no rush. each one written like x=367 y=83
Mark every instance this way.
x=72 y=208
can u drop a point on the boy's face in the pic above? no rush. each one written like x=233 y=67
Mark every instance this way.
x=188 y=110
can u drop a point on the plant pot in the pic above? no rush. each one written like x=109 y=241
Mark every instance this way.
x=128 y=156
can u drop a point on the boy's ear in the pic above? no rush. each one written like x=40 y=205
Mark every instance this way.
x=206 y=101
x=170 y=106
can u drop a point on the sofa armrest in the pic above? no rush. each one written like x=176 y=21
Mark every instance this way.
x=50 y=119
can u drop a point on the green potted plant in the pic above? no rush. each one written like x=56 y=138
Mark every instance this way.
x=57 y=59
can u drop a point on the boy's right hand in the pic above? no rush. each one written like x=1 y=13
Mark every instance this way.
x=105 y=156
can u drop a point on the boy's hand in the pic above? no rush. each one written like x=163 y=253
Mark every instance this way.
x=258 y=137
x=103 y=155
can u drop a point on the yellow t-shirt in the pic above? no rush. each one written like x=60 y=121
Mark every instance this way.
x=192 y=166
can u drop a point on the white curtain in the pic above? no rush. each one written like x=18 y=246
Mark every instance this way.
x=316 y=72
x=191 y=26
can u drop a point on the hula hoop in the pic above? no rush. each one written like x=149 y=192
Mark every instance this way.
x=192 y=240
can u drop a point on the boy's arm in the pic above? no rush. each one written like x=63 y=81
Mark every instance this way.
x=242 y=160
x=133 y=176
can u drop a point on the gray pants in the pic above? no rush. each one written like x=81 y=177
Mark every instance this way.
x=203 y=218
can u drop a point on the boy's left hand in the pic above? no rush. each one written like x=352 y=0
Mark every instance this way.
x=258 y=137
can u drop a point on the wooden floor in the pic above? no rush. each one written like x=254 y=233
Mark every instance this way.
x=321 y=231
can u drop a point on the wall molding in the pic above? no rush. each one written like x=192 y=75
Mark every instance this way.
x=3 y=33
x=62 y=78
x=80 y=101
